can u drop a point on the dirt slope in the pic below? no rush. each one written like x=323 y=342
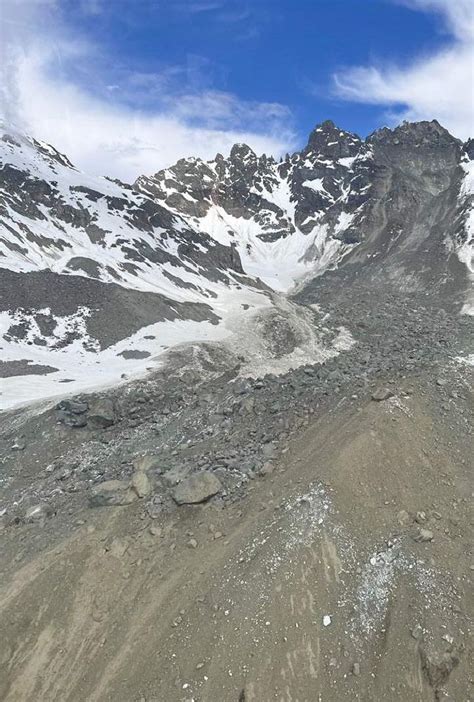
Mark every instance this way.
x=310 y=588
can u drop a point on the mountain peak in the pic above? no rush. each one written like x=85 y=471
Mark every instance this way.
x=242 y=152
x=328 y=139
x=424 y=131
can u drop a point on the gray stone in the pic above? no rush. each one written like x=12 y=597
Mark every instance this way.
x=197 y=488
x=117 y=547
x=112 y=493
x=19 y=445
x=269 y=450
x=102 y=413
x=148 y=462
x=38 y=513
x=403 y=518
x=267 y=469
x=423 y=536
x=72 y=420
x=141 y=484
x=72 y=406
x=381 y=393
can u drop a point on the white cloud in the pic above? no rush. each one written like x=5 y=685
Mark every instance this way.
x=59 y=88
x=438 y=86
x=457 y=14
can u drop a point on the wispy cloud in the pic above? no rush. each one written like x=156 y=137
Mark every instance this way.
x=197 y=6
x=435 y=86
x=110 y=119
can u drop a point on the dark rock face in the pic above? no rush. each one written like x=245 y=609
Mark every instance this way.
x=413 y=221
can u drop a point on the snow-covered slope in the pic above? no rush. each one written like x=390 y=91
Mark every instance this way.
x=98 y=278
x=284 y=219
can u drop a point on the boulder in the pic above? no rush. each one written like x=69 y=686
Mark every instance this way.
x=72 y=406
x=112 y=493
x=102 y=413
x=72 y=420
x=197 y=488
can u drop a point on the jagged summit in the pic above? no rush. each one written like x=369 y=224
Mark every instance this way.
x=409 y=133
x=329 y=139
x=242 y=152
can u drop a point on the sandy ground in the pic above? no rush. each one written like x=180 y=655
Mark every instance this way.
x=312 y=588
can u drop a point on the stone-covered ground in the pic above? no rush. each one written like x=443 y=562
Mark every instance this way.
x=202 y=535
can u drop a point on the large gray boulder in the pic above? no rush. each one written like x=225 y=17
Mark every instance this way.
x=197 y=488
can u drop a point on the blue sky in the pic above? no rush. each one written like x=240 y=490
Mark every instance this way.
x=283 y=51
x=126 y=86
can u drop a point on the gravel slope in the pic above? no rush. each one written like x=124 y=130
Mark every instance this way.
x=312 y=586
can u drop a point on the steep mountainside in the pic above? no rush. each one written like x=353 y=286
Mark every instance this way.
x=98 y=278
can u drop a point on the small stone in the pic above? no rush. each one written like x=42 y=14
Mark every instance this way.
x=417 y=632
x=155 y=531
x=356 y=669
x=381 y=393
x=420 y=517
x=19 y=445
x=403 y=518
x=326 y=620
x=267 y=469
x=141 y=484
x=269 y=450
x=37 y=513
x=218 y=535
x=192 y=543
x=117 y=548
x=423 y=536
x=148 y=462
